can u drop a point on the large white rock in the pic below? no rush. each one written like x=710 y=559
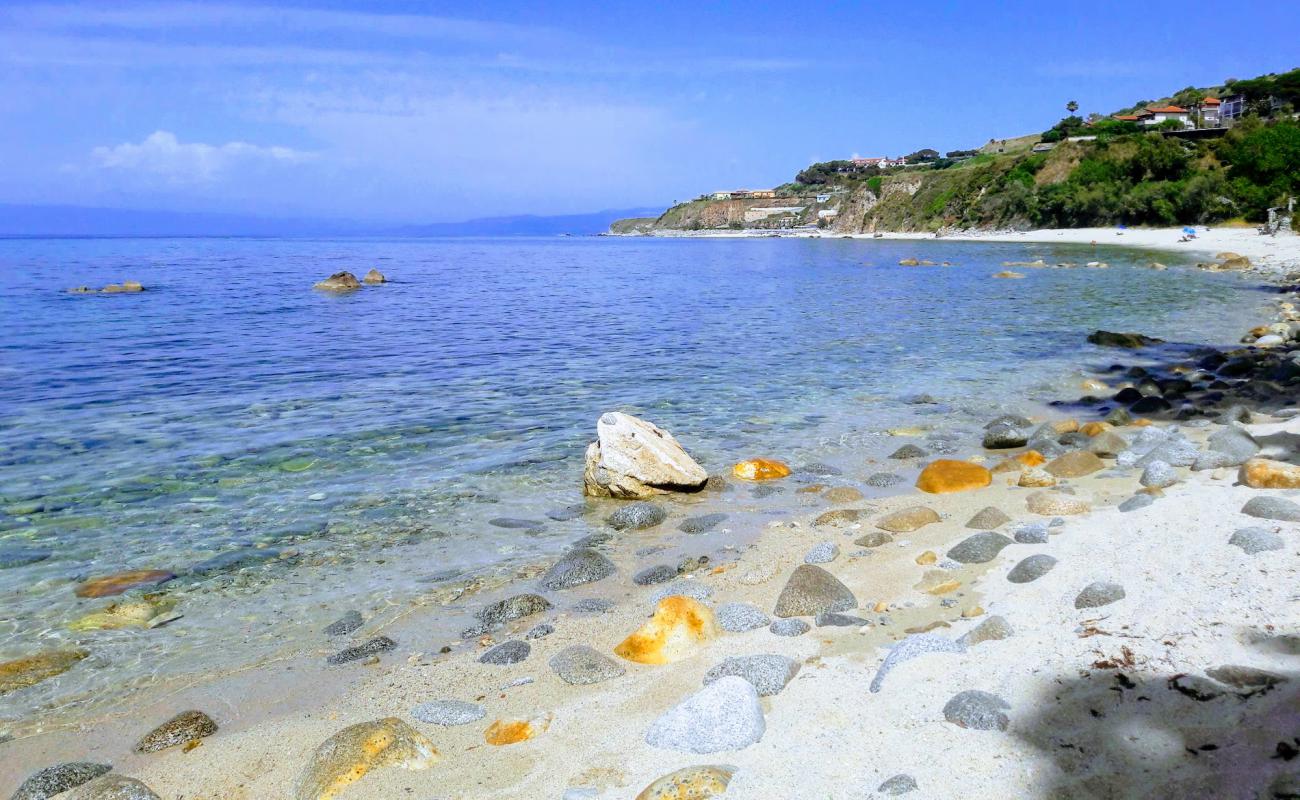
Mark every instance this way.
x=634 y=459
x=725 y=715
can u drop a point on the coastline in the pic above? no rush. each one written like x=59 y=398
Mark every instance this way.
x=595 y=736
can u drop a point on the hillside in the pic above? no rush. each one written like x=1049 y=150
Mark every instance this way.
x=1075 y=174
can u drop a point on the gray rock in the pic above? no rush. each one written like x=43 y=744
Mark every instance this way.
x=1176 y=452
x=873 y=539
x=576 y=567
x=580 y=665
x=567 y=513
x=883 y=480
x=540 y=631
x=1235 y=443
x=511 y=523
x=1005 y=437
x=979 y=548
x=1251 y=678
x=899 y=784
x=988 y=518
x=701 y=524
x=831 y=619
x=725 y=715
x=908 y=451
x=185 y=727
x=765 y=490
x=511 y=652
x=1031 y=568
x=1107 y=444
x=593 y=605
x=1098 y=594
x=822 y=553
x=659 y=573
x=918 y=644
x=812 y=590
x=344 y=625
x=20 y=557
x=494 y=615
x=448 y=712
x=686 y=588
x=1031 y=533
x=1196 y=687
x=1268 y=507
x=977 y=710
x=113 y=787
x=1256 y=540
x=991 y=629
x=1135 y=502
x=768 y=673
x=820 y=470
x=636 y=516
x=59 y=778
x=789 y=627
x=1158 y=475
x=234 y=560
x=740 y=617
x=377 y=645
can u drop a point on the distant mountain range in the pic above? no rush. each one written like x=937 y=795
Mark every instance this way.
x=43 y=220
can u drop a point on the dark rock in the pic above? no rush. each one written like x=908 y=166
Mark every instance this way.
x=581 y=665
x=1255 y=681
x=59 y=778
x=812 y=590
x=977 y=710
x=1031 y=533
x=1150 y=405
x=593 y=605
x=1098 y=594
x=1031 y=568
x=659 y=573
x=183 y=728
x=897 y=785
x=511 y=652
x=344 y=625
x=1127 y=395
x=830 y=619
x=1131 y=341
x=20 y=557
x=1268 y=507
x=377 y=645
x=510 y=523
x=701 y=524
x=494 y=615
x=234 y=560
x=988 y=519
x=979 y=548
x=540 y=631
x=1005 y=437
x=991 y=629
x=1135 y=502
x=636 y=516
x=576 y=567
x=908 y=451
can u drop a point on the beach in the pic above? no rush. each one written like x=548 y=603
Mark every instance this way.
x=1153 y=652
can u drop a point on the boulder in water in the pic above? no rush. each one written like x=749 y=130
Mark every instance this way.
x=633 y=459
x=340 y=282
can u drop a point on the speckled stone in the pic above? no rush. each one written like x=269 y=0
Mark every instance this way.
x=511 y=652
x=183 y=728
x=897 y=785
x=377 y=645
x=822 y=553
x=917 y=644
x=725 y=715
x=1098 y=594
x=1031 y=569
x=769 y=673
x=979 y=548
x=636 y=516
x=113 y=787
x=701 y=524
x=578 y=566
x=581 y=665
x=1269 y=507
x=448 y=712
x=977 y=710
x=659 y=573
x=1256 y=540
x=812 y=590
x=991 y=629
x=883 y=480
x=741 y=617
x=988 y=519
x=50 y=781
x=344 y=625
x=789 y=627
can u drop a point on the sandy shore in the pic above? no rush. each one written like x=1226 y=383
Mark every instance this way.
x=1109 y=701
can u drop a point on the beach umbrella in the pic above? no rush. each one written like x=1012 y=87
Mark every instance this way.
x=1189 y=230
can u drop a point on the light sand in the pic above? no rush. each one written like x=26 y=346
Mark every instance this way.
x=1076 y=729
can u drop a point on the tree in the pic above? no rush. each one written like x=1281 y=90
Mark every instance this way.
x=922 y=155
x=1072 y=107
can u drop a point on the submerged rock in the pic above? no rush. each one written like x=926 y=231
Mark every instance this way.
x=30 y=670
x=185 y=727
x=348 y=755
x=701 y=524
x=377 y=645
x=344 y=625
x=117 y=583
x=339 y=282
x=760 y=469
x=633 y=459
x=636 y=517
x=576 y=567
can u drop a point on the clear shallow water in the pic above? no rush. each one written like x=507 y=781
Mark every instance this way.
x=333 y=452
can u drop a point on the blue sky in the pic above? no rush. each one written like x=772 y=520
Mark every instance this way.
x=421 y=112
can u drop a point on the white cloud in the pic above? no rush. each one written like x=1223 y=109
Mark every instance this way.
x=162 y=155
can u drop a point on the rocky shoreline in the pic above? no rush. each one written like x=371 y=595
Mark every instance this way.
x=1101 y=604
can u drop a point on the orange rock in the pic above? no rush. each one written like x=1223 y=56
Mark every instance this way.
x=347 y=756
x=117 y=583
x=691 y=783
x=946 y=476
x=1265 y=473
x=880 y=607
x=1035 y=477
x=1094 y=428
x=760 y=469
x=514 y=731
x=927 y=558
x=1031 y=458
x=1065 y=425
x=680 y=625
x=1140 y=422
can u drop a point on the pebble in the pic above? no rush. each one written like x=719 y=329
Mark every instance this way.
x=659 y=573
x=511 y=652
x=979 y=548
x=873 y=539
x=1031 y=533
x=344 y=625
x=988 y=518
x=822 y=553
x=540 y=631
x=883 y=480
x=593 y=605
x=377 y=645
x=1268 y=507
x=992 y=629
x=1098 y=594
x=725 y=715
x=59 y=778
x=185 y=727
x=976 y=710
x=1135 y=502
x=831 y=619
x=812 y=590
x=1256 y=540
x=576 y=567
x=741 y=617
x=580 y=665
x=768 y=673
x=1031 y=568
x=636 y=516
x=899 y=784
x=789 y=627
x=701 y=524
x=448 y=712
x=918 y=644
x=1158 y=475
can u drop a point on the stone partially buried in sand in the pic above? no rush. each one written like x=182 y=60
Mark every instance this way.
x=690 y=783
x=1075 y=464
x=633 y=459
x=679 y=627
x=1265 y=507
x=908 y=519
x=988 y=518
x=812 y=590
x=769 y=673
x=947 y=476
x=1098 y=594
x=760 y=469
x=513 y=731
x=119 y=582
x=978 y=711
x=30 y=670
x=725 y=715
x=113 y=787
x=1053 y=504
x=979 y=548
x=59 y=778
x=348 y=755
x=185 y=727
x=580 y=665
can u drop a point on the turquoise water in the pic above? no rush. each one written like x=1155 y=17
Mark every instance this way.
x=292 y=454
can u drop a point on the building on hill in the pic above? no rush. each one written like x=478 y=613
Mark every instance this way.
x=1232 y=107
x=1206 y=112
x=744 y=194
x=1154 y=115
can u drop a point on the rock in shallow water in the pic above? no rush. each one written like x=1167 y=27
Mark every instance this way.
x=580 y=665
x=578 y=566
x=183 y=728
x=50 y=781
x=701 y=524
x=976 y=710
x=344 y=625
x=30 y=670
x=377 y=645
x=768 y=673
x=634 y=459
x=117 y=583
x=812 y=590
x=11 y=557
x=348 y=755
x=448 y=712
x=636 y=517
x=725 y=715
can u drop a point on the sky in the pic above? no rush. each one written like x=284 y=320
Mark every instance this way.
x=405 y=112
